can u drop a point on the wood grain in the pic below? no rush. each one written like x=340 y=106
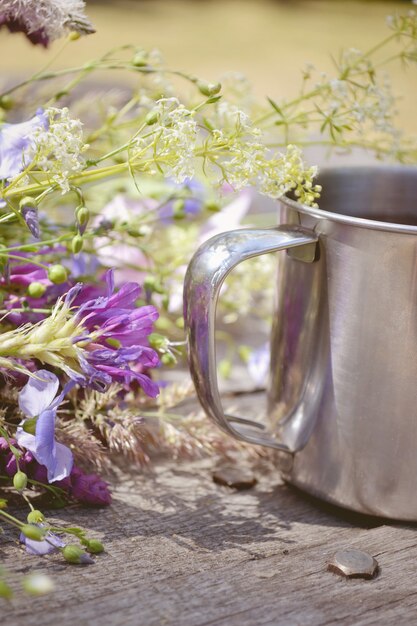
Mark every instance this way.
x=183 y=551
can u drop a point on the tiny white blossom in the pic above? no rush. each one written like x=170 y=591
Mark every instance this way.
x=60 y=147
x=172 y=142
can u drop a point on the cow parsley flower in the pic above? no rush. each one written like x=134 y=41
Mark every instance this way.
x=60 y=147
x=171 y=145
x=51 y=141
x=43 y=21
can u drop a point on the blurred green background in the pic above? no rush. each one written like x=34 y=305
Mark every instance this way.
x=268 y=41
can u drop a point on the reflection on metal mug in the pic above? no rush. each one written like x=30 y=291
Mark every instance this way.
x=342 y=397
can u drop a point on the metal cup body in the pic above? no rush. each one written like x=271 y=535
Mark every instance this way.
x=343 y=382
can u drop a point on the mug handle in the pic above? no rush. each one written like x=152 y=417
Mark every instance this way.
x=205 y=275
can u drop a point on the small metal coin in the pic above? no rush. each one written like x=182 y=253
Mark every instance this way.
x=354 y=564
x=235 y=477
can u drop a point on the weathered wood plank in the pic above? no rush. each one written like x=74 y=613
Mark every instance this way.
x=182 y=551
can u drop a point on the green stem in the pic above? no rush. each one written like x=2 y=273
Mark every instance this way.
x=379 y=45
x=15 y=256
x=11 y=519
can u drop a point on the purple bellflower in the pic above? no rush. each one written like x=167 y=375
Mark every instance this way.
x=89 y=489
x=39 y=548
x=17 y=144
x=30 y=215
x=38 y=400
x=122 y=330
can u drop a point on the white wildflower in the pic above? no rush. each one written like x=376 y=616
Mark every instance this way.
x=60 y=147
x=171 y=144
x=50 y=18
x=338 y=88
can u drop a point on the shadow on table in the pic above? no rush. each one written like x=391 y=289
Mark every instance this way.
x=187 y=508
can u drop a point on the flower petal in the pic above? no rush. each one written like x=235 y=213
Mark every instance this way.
x=45 y=439
x=38 y=393
x=56 y=457
x=25 y=440
x=40 y=548
x=64 y=462
x=16 y=142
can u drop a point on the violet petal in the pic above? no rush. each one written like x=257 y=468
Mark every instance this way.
x=38 y=393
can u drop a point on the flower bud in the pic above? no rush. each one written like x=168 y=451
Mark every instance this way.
x=77 y=244
x=33 y=532
x=27 y=201
x=140 y=59
x=179 y=322
x=151 y=118
x=36 y=290
x=20 y=481
x=212 y=206
x=29 y=425
x=74 y=554
x=156 y=340
x=83 y=215
x=208 y=89
x=6 y=103
x=94 y=546
x=168 y=359
x=57 y=274
x=151 y=284
x=74 y=35
x=35 y=517
x=134 y=231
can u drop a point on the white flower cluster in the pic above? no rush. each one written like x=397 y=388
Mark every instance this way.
x=358 y=103
x=172 y=143
x=52 y=17
x=236 y=149
x=60 y=147
x=244 y=160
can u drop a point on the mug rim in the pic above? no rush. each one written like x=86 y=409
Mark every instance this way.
x=360 y=222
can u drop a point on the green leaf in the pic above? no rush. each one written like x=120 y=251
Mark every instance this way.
x=275 y=106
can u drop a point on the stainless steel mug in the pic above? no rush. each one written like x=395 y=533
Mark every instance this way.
x=342 y=398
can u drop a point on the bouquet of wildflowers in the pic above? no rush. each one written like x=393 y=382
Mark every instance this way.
x=100 y=211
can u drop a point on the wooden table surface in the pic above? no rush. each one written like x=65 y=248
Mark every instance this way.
x=184 y=551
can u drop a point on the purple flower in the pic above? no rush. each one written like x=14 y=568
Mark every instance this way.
x=123 y=331
x=192 y=205
x=17 y=144
x=89 y=488
x=18 y=26
x=21 y=276
x=30 y=215
x=83 y=264
x=39 y=548
x=37 y=400
x=43 y=21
